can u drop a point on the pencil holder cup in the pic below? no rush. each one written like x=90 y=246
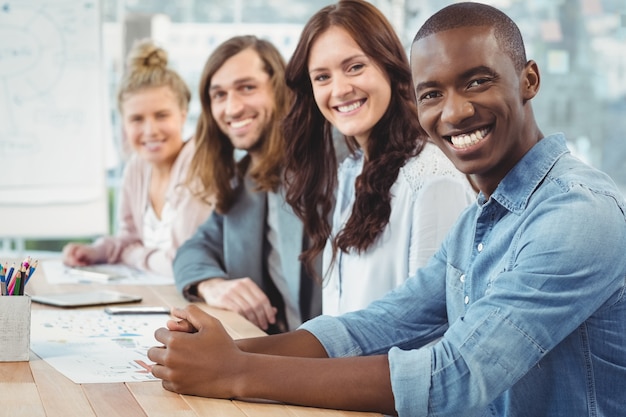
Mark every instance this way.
x=15 y=325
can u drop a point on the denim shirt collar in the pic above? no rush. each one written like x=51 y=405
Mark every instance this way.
x=518 y=185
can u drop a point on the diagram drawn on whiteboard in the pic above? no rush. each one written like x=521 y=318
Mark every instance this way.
x=51 y=98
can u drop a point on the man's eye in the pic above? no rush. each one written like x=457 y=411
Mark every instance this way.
x=477 y=82
x=429 y=95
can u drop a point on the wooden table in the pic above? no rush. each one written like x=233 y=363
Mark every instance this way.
x=34 y=388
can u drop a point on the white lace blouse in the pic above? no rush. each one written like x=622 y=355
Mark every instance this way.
x=157 y=233
x=427 y=198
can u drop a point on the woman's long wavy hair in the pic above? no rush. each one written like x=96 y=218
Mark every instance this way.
x=311 y=163
x=213 y=164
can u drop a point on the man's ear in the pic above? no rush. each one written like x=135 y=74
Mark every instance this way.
x=530 y=81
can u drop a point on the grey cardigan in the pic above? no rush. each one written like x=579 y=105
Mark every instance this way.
x=231 y=245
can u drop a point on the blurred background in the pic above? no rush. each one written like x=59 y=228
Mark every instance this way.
x=580 y=46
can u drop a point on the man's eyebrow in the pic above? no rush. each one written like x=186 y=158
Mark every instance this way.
x=472 y=72
x=236 y=82
x=426 y=84
x=481 y=69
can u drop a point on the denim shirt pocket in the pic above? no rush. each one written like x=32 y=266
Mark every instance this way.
x=455 y=290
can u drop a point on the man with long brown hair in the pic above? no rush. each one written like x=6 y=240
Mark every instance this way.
x=244 y=258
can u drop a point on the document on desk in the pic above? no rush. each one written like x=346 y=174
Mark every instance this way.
x=90 y=346
x=58 y=273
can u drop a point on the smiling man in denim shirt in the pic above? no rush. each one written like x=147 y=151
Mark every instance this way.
x=522 y=311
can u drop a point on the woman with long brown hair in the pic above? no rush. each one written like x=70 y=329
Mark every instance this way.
x=396 y=195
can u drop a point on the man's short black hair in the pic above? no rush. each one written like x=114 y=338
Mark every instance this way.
x=466 y=14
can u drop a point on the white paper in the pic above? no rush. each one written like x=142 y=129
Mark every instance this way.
x=95 y=347
x=57 y=273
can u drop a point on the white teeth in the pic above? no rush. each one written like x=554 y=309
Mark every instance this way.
x=349 y=107
x=467 y=140
x=152 y=145
x=240 y=123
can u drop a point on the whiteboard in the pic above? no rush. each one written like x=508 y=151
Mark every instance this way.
x=52 y=119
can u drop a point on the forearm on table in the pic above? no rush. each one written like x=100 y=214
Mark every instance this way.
x=191 y=290
x=356 y=383
x=146 y=258
x=299 y=343
x=188 y=275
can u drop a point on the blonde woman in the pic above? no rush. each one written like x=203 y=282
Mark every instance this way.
x=157 y=211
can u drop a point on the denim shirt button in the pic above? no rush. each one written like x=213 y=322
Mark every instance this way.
x=462 y=278
x=480 y=247
x=466 y=299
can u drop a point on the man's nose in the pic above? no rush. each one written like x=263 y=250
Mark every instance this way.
x=456 y=108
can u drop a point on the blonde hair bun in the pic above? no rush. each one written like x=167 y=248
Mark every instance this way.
x=146 y=56
x=146 y=67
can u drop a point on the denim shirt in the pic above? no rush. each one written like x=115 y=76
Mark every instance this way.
x=530 y=319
